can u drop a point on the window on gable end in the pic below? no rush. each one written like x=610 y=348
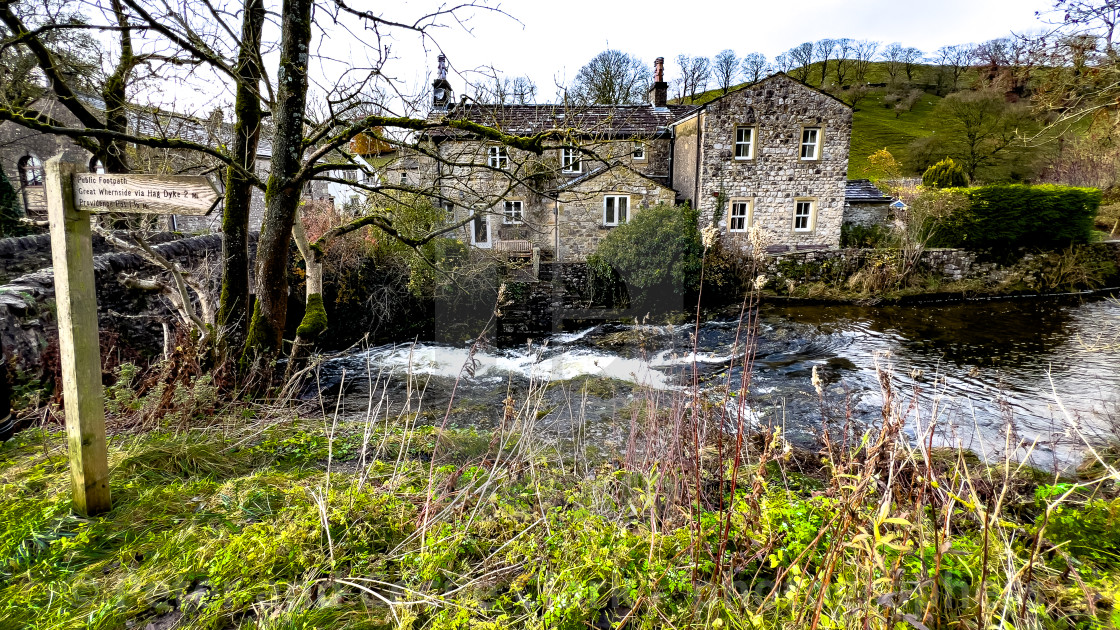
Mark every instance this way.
x=811 y=143
x=803 y=215
x=744 y=143
x=616 y=209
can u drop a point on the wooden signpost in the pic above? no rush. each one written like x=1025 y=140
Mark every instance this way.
x=71 y=198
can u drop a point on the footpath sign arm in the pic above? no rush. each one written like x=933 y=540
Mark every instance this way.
x=76 y=298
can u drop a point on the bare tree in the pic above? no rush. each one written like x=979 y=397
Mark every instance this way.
x=911 y=58
x=845 y=53
x=952 y=61
x=612 y=78
x=310 y=132
x=755 y=67
x=784 y=62
x=725 y=68
x=694 y=75
x=823 y=51
x=893 y=57
x=496 y=89
x=1098 y=18
x=864 y=51
x=801 y=60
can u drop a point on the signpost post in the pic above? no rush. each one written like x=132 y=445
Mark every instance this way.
x=71 y=198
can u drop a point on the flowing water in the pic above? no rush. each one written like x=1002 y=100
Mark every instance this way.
x=975 y=370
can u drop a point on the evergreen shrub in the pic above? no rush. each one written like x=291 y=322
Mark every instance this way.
x=945 y=174
x=658 y=252
x=1002 y=215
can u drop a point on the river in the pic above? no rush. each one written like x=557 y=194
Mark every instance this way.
x=973 y=369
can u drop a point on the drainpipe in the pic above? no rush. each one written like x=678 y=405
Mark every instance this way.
x=556 y=228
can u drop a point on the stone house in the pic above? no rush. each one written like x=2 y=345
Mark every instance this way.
x=772 y=154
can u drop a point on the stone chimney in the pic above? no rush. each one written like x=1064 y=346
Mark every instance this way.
x=659 y=93
x=442 y=96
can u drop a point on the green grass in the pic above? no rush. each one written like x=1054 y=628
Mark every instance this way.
x=239 y=526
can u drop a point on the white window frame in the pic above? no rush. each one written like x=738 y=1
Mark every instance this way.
x=616 y=197
x=497 y=157
x=404 y=178
x=810 y=218
x=570 y=160
x=740 y=222
x=749 y=143
x=485 y=218
x=815 y=144
x=639 y=152
x=513 y=212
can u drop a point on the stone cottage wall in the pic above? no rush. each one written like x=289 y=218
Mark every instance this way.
x=866 y=214
x=779 y=108
x=581 y=209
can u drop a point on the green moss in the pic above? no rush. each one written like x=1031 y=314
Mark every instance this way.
x=314 y=318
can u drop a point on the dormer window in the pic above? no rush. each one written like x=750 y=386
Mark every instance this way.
x=570 y=161
x=811 y=143
x=744 y=143
x=639 y=154
x=497 y=157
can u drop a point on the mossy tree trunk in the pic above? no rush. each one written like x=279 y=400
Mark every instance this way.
x=233 y=312
x=282 y=194
x=314 y=320
x=113 y=154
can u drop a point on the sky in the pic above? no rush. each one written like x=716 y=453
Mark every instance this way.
x=550 y=41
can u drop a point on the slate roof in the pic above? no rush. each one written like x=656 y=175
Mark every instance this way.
x=863 y=191
x=603 y=121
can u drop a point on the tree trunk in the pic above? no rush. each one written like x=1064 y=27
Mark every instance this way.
x=233 y=312
x=113 y=156
x=314 y=315
x=282 y=195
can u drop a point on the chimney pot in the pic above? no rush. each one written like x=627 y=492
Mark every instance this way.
x=659 y=91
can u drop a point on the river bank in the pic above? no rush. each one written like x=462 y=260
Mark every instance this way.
x=265 y=518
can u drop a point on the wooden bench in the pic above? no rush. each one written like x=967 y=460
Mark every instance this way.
x=514 y=248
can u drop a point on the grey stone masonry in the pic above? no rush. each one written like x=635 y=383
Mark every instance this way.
x=799 y=141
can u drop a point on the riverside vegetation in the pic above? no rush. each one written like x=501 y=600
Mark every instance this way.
x=236 y=515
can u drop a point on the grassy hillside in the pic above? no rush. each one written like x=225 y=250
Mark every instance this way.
x=876 y=127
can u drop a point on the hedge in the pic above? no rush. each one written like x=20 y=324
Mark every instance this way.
x=1019 y=215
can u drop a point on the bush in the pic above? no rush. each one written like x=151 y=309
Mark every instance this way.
x=1002 y=215
x=945 y=174
x=659 y=250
